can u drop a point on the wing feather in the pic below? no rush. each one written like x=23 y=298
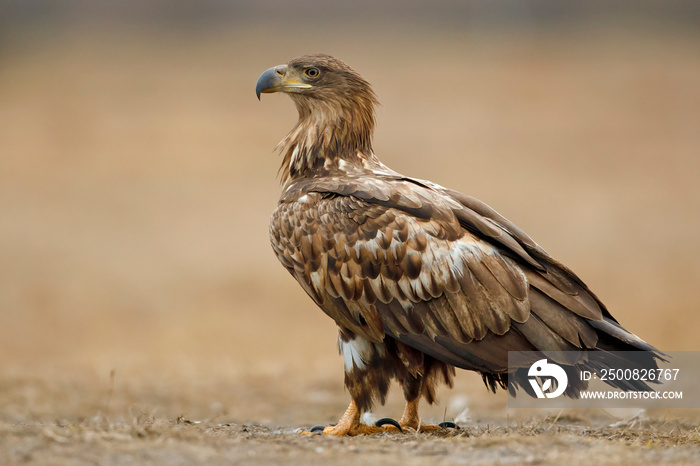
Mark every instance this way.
x=434 y=269
x=565 y=323
x=575 y=303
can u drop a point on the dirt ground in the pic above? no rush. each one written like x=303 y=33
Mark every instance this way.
x=143 y=316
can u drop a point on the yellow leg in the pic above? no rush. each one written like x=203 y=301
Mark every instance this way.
x=411 y=420
x=349 y=424
x=349 y=421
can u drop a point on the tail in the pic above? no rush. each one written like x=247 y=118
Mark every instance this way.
x=616 y=349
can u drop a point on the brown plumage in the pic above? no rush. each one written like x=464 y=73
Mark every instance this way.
x=420 y=279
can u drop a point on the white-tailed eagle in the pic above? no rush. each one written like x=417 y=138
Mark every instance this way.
x=419 y=278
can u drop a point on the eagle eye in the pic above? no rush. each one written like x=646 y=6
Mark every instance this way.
x=312 y=72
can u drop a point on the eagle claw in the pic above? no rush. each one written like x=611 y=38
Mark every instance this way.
x=319 y=428
x=389 y=421
x=448 y=425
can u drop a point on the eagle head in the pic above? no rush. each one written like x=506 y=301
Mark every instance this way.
x=317 y=77
x=322 y=86
x=336 y=108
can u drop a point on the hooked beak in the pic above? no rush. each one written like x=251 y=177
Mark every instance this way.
x=275 y=79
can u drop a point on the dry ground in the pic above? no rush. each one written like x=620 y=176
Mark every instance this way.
x=143 y=317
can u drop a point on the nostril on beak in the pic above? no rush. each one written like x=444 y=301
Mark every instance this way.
x=281 y=70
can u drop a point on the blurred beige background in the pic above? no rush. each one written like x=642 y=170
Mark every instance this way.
x=137 y=175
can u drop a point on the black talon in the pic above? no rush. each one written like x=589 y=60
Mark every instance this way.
x=448 y=425
x=387 y=420
x=318 y=428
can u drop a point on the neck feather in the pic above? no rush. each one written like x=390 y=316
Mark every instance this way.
x=328 y=139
